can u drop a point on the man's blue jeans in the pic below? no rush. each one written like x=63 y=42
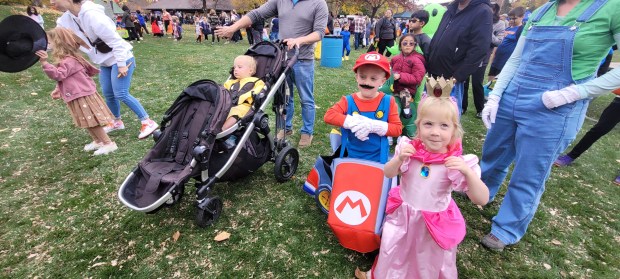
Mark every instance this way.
x=116 y=89
x=303 y=78
x=358 y=40
x=457 y=93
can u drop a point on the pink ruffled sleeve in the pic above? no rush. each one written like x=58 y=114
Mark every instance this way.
x=459 y=183
x=405 y=165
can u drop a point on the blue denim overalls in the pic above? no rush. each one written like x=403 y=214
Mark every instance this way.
x=376 y=148
x=528 y=133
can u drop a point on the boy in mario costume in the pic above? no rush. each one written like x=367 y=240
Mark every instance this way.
x=368 y=116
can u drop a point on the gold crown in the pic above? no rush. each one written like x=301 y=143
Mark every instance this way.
x=439 y=87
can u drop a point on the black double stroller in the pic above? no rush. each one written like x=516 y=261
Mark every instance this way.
x=190 y=142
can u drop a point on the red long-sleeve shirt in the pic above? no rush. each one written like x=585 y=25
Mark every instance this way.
x=338 y=112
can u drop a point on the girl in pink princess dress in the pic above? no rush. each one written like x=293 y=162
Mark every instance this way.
x=423 y=225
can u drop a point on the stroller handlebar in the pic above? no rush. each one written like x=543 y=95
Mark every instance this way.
x=293 y=59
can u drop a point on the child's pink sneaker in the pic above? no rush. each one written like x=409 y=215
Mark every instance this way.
x=114 y=125
x=106 y=148
x=92 y=146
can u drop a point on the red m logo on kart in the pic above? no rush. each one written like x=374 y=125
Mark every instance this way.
x=352 y=204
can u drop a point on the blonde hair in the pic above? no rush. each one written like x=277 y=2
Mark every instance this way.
x=250 y=60
x=445 y=105
x=66 y=43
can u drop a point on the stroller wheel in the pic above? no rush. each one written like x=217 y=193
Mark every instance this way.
x=209 y=211
x=286 y=164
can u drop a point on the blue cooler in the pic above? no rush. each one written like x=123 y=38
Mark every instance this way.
x=331 y=51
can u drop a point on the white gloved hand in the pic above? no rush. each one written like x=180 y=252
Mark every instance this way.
x=363 y=127
x=490 y=110
x=378 y=127
x=362 y=134
x=351 y=121
x=556 y=98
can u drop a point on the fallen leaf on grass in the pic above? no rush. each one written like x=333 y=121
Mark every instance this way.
x=15 y=130
x=222 y=236
x=2 y=130
x=556 y=242
x=98 y=264
x=547 y=266
x=63 y=140
x=176 y=236
x=34 y=94
x=114 y=263
x=32 y=255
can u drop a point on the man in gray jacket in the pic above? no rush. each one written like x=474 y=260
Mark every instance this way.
x=385 y=31
x=302 y=24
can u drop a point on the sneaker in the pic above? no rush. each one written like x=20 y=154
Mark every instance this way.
x=563 y=161
x=479 y=115
x=346 y=57
x=147 y=128
x=491 y=242
x=280 y=134
x=342 y=58
x=106 y=148
x=92 y=146
x=305 y=140
x=114 y=125
x=617 y=181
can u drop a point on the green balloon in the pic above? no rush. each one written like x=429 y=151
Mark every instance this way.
x=394 y=50
x=435 y=12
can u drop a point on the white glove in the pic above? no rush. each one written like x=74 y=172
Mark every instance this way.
x=351 y=121
x=362 y=129
x=490 y=110
x=378 y=127
x=556 y=98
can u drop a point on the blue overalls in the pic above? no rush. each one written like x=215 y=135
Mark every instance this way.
x=528 y=133
x=376 y=148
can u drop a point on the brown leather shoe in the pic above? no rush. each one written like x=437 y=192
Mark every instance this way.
x=305 y=140
x=280 y=134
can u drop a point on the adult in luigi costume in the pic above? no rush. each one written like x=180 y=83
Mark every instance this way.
x=20 y=38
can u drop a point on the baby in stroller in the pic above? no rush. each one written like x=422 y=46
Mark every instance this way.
x=244 y=85
x=191 y=143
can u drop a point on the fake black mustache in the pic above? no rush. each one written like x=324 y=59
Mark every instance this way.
x=365 y=86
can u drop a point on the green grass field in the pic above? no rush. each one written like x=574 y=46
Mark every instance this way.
x=61 y=217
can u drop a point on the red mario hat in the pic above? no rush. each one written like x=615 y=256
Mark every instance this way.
x=373 y=58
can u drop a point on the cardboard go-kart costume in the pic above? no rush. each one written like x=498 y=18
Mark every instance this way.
x=20 y=38
x=349 y=186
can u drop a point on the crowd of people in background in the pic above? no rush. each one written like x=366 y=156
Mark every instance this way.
x=527 y=92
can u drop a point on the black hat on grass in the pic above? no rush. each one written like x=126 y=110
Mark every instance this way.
x=20 y=38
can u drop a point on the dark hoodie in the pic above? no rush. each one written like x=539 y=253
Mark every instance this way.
x=462 y=40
